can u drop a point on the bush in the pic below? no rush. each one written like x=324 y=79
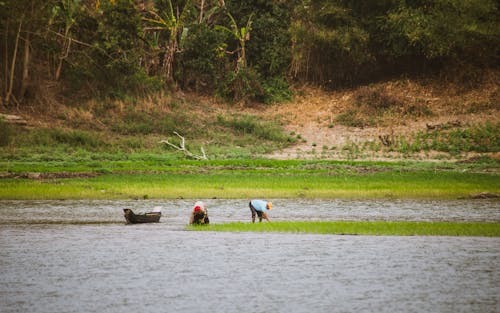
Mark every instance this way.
x=6 y=133
x=276 y=90
x=112 y=67
x=243 y=85
x=76 y=138
x=353 y=119
x=376 y=98
x=248 y=124
x=200 y=63
x=134 y=123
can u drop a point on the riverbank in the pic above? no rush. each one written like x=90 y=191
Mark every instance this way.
x=372 y=228
x=162 y=179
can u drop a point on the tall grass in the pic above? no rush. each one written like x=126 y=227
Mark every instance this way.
x=392 y=228
x=248 y=124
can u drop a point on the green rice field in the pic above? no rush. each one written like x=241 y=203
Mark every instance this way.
x=377 y=228
x=149 y=177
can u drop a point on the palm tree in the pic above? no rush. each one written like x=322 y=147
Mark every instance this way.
x=174 y=25
x=242 y=35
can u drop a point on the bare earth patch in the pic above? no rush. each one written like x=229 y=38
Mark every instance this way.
x=311 y=117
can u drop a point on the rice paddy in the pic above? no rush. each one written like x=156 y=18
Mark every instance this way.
x=376 y=228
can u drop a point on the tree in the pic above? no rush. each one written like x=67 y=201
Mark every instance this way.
x=242 y=34
x=173 y=24
x=329 y=45
x=451 y=29
x=64 y=13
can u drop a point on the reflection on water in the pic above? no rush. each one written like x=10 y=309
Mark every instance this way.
x=48 y=264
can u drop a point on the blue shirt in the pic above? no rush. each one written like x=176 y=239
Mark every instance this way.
x=259 y=205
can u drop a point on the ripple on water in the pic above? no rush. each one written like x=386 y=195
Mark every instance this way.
x=176 y=212
x=111 y=267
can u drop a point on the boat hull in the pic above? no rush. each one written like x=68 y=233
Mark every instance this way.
x=132 y=218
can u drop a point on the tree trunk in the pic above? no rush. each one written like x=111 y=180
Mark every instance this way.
x=201 y=11
x=241 y=63
x=6 y=63
x=64 y=52
x=64 y=55
x=169 y=60
x=13 y=66
x=26 y=64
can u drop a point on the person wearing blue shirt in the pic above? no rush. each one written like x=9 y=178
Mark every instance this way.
x=260 y=207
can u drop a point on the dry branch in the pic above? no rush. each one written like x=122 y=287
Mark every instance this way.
x=386 y=140
x=446 y=125
x=182 y=147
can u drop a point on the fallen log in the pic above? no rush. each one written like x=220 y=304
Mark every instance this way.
x=13 y=119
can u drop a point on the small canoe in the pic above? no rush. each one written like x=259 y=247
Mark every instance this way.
x=149 y=217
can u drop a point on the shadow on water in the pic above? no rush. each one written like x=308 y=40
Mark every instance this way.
x=78 y=256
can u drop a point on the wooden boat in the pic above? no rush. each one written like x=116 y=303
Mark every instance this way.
x=149 y=217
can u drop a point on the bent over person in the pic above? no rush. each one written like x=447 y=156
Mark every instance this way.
x=199 y=215
x=260 y=207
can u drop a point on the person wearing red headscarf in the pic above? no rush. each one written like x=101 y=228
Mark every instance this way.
x=199 y=214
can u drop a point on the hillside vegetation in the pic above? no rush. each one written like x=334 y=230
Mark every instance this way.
x=315 y=79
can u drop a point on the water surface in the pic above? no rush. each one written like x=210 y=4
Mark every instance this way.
x=176 y=212
x=79 y=256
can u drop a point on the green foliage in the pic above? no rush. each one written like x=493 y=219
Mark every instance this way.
x=477 y=138
x=113 y=70
x=202 y=60
x=262 y=49
x=129 y=48
x=348 y=42
x=242 y=85
x=56 y=136
x=268 y=48
x=378 y=228
x=76 y=138
x=276 y=90
x=136 y=122
x=248 y=124
x=168 y=178
x=331 y=45
x=6 y=133
x=448 y=28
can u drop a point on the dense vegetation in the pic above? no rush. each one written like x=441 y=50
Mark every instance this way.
x=239 y=50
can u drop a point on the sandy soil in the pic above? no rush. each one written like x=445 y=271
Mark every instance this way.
x=312 y=115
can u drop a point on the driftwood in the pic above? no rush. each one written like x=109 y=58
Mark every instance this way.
x=182 y=147
x=450 y=124
x=13 y=119
x=387 y=140
x=485 y=195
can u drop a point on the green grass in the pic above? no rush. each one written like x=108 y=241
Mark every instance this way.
x=477 y=138
x=137 y=130
x=393 y=228
x=231 y=182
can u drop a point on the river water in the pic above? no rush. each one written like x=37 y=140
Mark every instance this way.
x=79 y=256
